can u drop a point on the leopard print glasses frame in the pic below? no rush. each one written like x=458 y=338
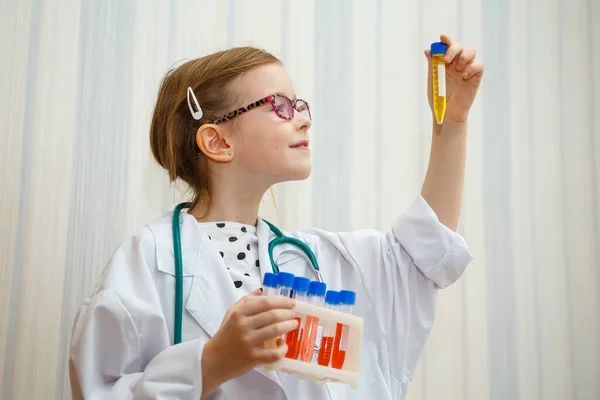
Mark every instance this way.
x=282 y=105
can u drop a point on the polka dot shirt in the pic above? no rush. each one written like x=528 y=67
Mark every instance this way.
x=238 y=245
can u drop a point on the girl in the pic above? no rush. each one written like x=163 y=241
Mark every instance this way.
x=230 y=126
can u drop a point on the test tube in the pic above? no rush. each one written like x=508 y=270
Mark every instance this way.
x=438 y=75
x=270 y=289
x=331 y=302
x=294 y=337
x=316 y=293
x=285 y=282
x=269 y=284
x=347 y=299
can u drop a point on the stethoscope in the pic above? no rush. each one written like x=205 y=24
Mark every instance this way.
x=280 y=239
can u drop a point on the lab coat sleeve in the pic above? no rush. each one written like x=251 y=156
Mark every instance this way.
x=439 y=253
x=120 y=347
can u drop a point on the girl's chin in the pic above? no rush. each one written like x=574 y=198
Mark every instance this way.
x=298 y=174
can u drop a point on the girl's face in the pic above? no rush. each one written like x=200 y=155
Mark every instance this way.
x=265 y=145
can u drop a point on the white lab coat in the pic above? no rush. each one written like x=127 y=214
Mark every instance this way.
x=123 y=334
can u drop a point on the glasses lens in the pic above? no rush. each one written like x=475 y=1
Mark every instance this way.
x=302 y=107
x=283 y=107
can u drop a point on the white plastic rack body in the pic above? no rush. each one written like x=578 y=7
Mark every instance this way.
x=321 y=374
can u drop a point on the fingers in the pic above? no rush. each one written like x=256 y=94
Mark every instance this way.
x=453 y=52
x=270 y=317
x=256 y=294
x=446 y=39
x=474 y=69
x=239 y=303
x=270 y=355
x=270 y=332
x=258 y=304
x=463 y=59
x=466 y=57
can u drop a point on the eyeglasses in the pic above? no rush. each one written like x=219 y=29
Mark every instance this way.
x=282 y=105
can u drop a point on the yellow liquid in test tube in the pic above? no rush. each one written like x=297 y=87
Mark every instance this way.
x=438 y=50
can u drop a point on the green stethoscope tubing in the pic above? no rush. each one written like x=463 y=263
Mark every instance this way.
x=280 y=239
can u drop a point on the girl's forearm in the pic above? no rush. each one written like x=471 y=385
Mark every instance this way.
x=443 y=185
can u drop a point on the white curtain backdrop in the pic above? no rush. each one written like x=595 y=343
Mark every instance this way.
x=78 y=80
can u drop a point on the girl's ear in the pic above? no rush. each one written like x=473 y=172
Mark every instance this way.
x=213 y=144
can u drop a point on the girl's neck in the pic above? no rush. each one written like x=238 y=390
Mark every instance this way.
x=232 y=203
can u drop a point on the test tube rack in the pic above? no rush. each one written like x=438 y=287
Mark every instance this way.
x=320 y=374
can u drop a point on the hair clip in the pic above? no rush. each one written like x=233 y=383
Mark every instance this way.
x=196 y=114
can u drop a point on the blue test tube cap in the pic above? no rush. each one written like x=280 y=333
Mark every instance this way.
x=285 y=279
x=301 y=284
x=317 y=288
x=438 y=48
x=270 y=280
x=332 y=297
x=347 y=297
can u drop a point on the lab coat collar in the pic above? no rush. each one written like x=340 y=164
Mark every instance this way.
x=201 y=262
x=211 y=282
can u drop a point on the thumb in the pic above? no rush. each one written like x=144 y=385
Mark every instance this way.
x=427 y=53
x=257 y=292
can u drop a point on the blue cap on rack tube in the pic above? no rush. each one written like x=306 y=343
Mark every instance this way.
x=317 y=288
x=301 y=284
x=347 y=297
x=270 y=280
x=285 y=279
x=332 y=297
